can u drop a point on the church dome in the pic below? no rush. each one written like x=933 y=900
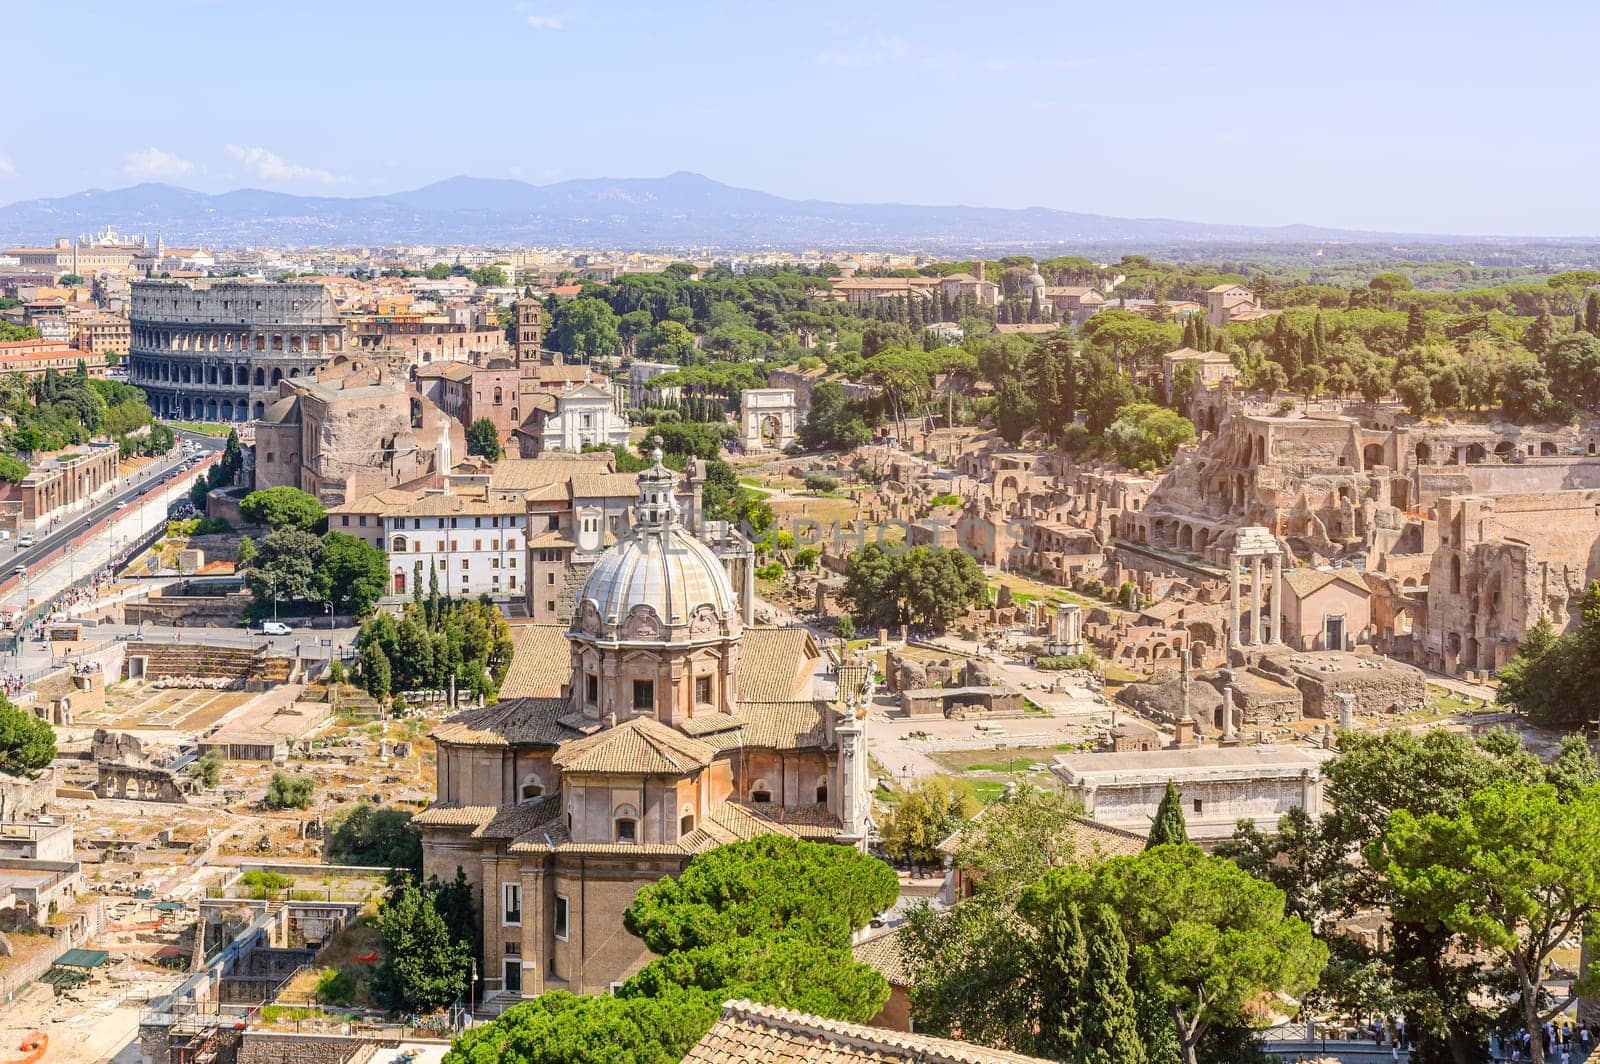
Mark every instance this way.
x=660 y=583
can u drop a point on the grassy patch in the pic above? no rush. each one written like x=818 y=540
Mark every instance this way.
x=988 y=791
x=203 y=428
x=1013 y=764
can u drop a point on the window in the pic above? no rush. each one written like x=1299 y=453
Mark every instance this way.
x=591 y=682
x=555 y=523
x=550 y=578
x=362 y=521
x=465 y=563
x=1198 y=805
x=513 y=903
x=702 y=689
x=761 y=796
x=345 y=520
x=531 y=788
x=627 y=829
x=686 y=824
x=399 y=543
x=561 y=917
x=511 y=562
x=477 y=522
x=822 y=792
x=644 y=695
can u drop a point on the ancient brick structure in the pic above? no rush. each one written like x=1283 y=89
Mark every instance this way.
x=216 y=350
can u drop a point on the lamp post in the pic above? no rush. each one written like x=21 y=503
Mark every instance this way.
x=327 y=607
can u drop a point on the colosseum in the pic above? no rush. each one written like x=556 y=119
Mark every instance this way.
x=216 y=350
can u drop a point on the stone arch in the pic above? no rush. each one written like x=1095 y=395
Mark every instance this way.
x=1547 y=449
x=531 y=788
x=1476 y=453
x=1424 y=453
x=277 y=375
x=1455 y=574
x=1261 y=450
x=761 y=790
x=261 y=377
x=227 y=410
x=1186 y=537
x=1372 y=455
x=1505 y=449
x=260 y=409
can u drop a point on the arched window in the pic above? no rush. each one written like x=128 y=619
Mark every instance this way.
x=760 y=791
x=497 y=397
x=398 y=544
x=685 y=820
x=532 y=787
x=1455 y=575
x=822 y=792
x=626 y=823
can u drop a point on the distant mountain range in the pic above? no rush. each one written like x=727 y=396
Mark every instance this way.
x=677 y=211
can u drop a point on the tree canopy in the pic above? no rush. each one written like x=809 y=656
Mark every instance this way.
x=282 y=507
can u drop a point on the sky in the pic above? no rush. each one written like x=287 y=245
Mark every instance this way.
x=1405 y=115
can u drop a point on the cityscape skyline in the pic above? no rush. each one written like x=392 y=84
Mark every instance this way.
x=1373 y=131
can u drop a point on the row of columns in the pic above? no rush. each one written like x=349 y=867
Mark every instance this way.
x=276 y=342
x=1239 y=638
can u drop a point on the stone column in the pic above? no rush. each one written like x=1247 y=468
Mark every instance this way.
x=1255 y=602
x=747 y=593
x=1277 y=598
x=1229 y=736
x=1233 y=601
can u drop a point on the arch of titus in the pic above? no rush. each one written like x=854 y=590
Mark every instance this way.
x=1256 y=546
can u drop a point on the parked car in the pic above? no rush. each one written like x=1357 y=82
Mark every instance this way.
x=274 y=628
x=25 y=540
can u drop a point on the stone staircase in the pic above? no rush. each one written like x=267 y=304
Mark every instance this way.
x=205 y=662
x=347 y=699
x=495 y=1004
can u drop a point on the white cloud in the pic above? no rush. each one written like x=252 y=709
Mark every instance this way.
x=153 y=162
x=6 y=169
x=270 y=166
x=548 y=22
x=869 y=54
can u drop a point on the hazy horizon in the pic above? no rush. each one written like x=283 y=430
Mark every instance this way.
x=1426 y=120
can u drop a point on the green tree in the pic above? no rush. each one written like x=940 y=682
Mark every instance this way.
x=351 y=573
x=424 y=967
x=586 y=328
x=490 y=277
x=1147 y=436
x=282 y=507
x=1108 y=1031
x=938 y=584
x=1169 y=826
x=1553 y=679
x=207 y=768
x=27 y=742
x=365 y=834
x=845 y=626
x=559 y=1027
x=484 y=439
x=246 y=552
x=871 y=588
x=288 y=791
x=376 y=673
x=1104 y=392
x=1515 y=872
x=12 y=469
x=748 y=888
x=284 y=568
x=929 y=811
x=668 y=341
x=1205 y=937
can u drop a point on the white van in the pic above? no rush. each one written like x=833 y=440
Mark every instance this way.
x=25 y=540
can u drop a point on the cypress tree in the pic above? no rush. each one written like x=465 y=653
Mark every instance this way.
x=1591 y=314
x=1168 y=825
x=1416 y=325
x=1061 y=970
x=1189 y=339
x=1108 y=1031
x=1319 y=340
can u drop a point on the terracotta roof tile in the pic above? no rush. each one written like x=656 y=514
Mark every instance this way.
x=516 y=720
x=1089 y=838
x=883 y=953
x=792 y=724
x=748 y=1031
x=523 y=474
x=776 y=664
x=641 y=746
x=540 y=662
x=456 y=816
